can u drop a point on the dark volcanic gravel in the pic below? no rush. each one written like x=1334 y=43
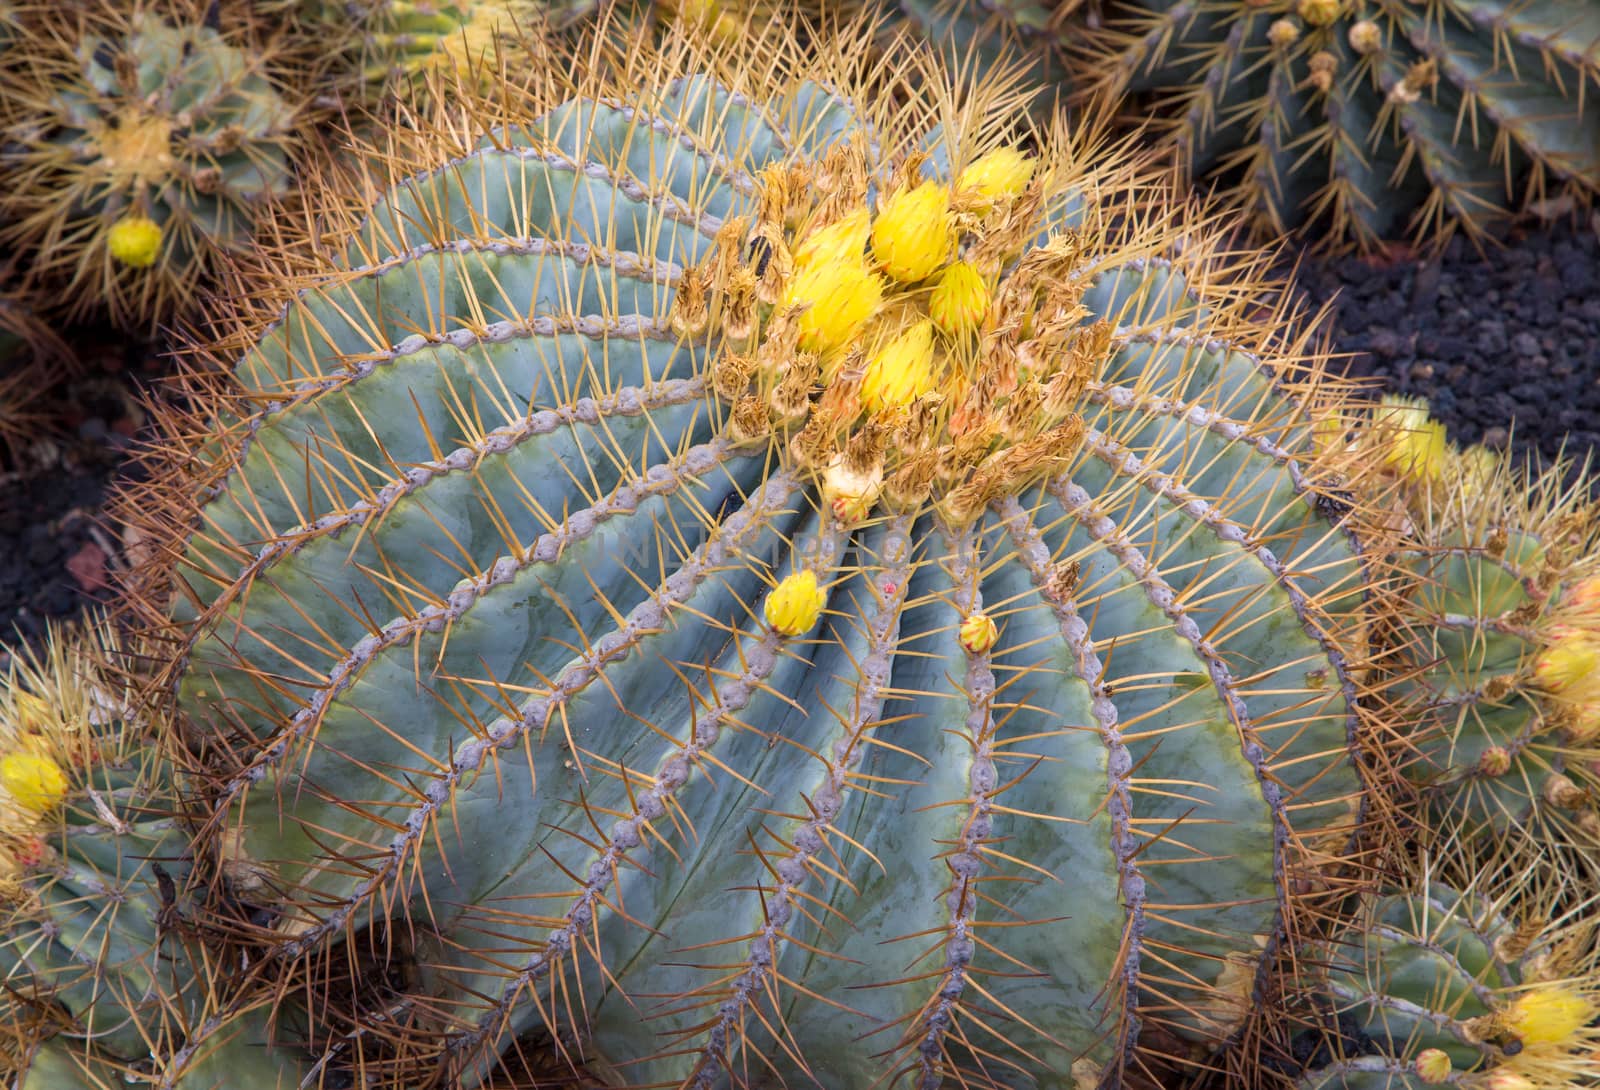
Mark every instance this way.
x=1506 y=343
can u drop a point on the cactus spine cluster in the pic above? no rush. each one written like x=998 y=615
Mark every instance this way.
x=734 y=579
x=139 y=144
x=1365 y=118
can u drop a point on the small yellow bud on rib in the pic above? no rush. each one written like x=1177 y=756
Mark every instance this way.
x=1365 y=37
x=901 y=371
x=1283 y=32
x=913 y=233
x=1433 y=1066
x=795 y=604
x=1319 y=12
x=1548 y=1015
x=35 y=781
x=978 y=633
x=135 y=240
x=1503 y=1079
x=1415 y=445
x=1001 y=175
x=960 y=299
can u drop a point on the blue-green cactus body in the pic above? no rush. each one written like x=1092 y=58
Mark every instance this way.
x=479 y=609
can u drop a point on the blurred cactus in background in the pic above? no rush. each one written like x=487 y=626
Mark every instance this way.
x=139 y=143
x=1363 y=120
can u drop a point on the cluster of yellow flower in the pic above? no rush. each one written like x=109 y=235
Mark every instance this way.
x=899 y=355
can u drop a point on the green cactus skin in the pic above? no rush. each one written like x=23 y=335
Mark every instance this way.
x=1413 y=972
x=116 y=114
x=1489 y=752
x=976 y=35
x=1363 y=161
x=500 y=677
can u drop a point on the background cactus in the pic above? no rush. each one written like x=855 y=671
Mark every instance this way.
x=99 y=990
x=1493 y=643
x=1365 y=119
x=1432 y=987
x=502 y=658
x=139 y=142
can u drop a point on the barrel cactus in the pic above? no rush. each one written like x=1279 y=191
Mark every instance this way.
x=1433 y=987
x=975 y=35
x=749 y=585
x=137 y=150
x=1366 y=119
x=99 y=990
x=1493 y=644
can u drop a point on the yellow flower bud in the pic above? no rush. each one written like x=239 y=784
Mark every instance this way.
x=978 y=633
x=1501 y=1079
x=960 y=299
x=1548 y=1015
x=1365 y=37
x=1416 y=446
x=913 y=233
x=795 y=604
x=35 y=781
x=839 y=297
x=135 y=240
x=842 y=240
x=1283 y=32
x=901 y=371
x=1319 y=12
x=1433 y=1066
x=1569 y=660
x=1003 y=174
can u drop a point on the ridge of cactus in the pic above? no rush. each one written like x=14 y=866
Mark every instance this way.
x=140 y=142
x=1362 y=120
x=614 y=592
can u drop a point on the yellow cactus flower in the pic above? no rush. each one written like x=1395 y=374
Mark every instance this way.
x=978 y=633
x=1433 y=1066
x=1365 y=37
x=960 y=299
x=1548 y=1015
x=913 y=233
x=838 y=296
x=901 y=371
x=1001 y=175
x=1570 y=660
x=135 y=240
x=1283 y=32
x=1416 y=446
x=795 y=604
x=1319 y=12
x=34 y=780
x=1502 y=1079
x=842 y=240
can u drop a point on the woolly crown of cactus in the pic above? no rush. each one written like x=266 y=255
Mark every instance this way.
x=140 y=142
x=1361 y=118
x=614 y=592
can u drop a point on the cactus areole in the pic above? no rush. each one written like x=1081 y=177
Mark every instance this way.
x=484 y=610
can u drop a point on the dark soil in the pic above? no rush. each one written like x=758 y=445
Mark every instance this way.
x=57 y=553
x=1504 y=345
